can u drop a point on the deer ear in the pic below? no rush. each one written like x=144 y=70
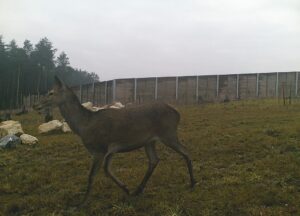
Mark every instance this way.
x=58 y=84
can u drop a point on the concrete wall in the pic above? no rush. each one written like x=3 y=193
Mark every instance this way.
x=227 y=87
x=287 y=84
x=247 y=86
x=145 y=91
x=100 y=93
x=191 y=89
x=267 y=85
x=207 y=88
x=187 y=90
x=166 y=89
x=110 y=92
x=125 y=90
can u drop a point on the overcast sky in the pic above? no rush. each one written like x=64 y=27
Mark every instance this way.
x=136 y=38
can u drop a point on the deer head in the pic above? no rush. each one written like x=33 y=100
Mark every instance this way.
x=57 y=96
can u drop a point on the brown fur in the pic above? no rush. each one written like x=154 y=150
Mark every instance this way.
x=111 y=131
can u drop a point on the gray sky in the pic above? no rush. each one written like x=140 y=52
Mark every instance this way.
x=139 y=38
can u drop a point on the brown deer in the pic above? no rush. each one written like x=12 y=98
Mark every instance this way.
x=111 y=131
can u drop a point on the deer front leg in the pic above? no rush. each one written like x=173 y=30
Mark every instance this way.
x=153 y=161
x=107 y=160
x=94 y=169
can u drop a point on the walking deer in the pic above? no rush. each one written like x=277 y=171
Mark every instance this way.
x=111 y=131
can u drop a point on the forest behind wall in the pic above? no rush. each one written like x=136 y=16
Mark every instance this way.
x=30 y=69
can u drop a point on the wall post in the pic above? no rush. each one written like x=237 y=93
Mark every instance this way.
x=237 y=86
x=114 y=90
x=296 y=84
x=257 y=84
x=93 y=92
x=276 y=88
x=135 y=88
x=155 y=91
x=197 y=89
x=105 y=92
x=217 y=87
x=176 y=89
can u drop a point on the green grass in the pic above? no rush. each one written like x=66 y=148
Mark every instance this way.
x=246 y=158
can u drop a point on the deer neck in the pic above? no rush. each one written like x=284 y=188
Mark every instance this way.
x=75 y=115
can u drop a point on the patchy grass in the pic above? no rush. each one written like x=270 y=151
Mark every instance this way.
x=246 y=158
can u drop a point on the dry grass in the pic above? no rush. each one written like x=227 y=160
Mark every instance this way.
x=246 y=159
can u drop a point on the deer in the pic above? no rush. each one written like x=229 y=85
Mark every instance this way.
x=110 y=131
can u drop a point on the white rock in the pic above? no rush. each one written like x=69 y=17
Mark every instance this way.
x=88 y=105
x=103 y=107
x=117 y=105
x=95 y=109
x=12 y=127
x=113 y=107
x=3 y=133
x=65 y=128
x=28 y=139
x=50 y=127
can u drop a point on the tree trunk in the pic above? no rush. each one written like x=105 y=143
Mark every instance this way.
x=18 y=86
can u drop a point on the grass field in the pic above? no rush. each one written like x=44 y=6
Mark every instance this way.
x=246 y=158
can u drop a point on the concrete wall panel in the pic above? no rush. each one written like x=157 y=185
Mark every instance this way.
x=247 y=86
x=125 y=90
x=100 y=94
x=145 y=90
x=262 y=83
x=90 y=92
x=286 y=84
x=85 y=93
x=271 y=85
x=227 y=87
x=166 y=87
x=207 y=88
x=109 y=92
x=187 y=90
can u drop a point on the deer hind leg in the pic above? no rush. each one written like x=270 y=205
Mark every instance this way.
x=107 y=160
x=153 y=161
x=94 y=169
x=174 y=143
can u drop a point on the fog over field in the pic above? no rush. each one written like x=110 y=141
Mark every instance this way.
x=162 y=38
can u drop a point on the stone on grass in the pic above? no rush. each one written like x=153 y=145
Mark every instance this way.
x=88 y=105
x=12 y=127
x=3 y=132
x=28 y=139
x=117 y=105
x=9 y=141
x=95 y=109
x=65 y=128
x=50 y=127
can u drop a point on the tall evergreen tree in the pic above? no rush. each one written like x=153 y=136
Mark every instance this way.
x=28 y=47
x=30 y=70
x=62 y=60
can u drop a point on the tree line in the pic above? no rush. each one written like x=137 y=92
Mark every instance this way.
x=30 y=69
